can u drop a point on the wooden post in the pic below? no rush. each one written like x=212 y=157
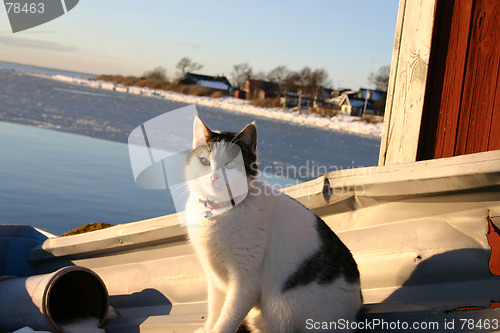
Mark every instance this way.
x=407 y=82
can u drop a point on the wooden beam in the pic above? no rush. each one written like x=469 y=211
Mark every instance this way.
x=407 y=81
x=481 y=86
x=453 y=88
x=449 y=49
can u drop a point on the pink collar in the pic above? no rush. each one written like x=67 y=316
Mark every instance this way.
x=218 y=205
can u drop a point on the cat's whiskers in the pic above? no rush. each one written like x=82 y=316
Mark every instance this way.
x=184 y=189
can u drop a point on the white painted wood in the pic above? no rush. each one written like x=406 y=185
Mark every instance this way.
x=392 y=77
x=407 y=82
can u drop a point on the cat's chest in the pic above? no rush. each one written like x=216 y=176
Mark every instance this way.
x=216 y=252
x=229 y=247
x=218 y=241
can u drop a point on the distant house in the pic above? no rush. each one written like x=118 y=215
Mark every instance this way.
x=212 y=82
x=373 y=95
x=339 y=92
x=353 y=102
x=291 y=100
x=323 y=95
x=257 y=89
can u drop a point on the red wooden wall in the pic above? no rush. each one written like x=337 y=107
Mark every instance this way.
x=462 y=100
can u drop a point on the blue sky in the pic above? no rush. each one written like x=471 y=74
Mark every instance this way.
x=349 y=38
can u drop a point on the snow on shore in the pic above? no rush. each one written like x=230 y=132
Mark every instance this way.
x=345 y=123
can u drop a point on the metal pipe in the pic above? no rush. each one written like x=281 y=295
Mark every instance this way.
x=44 y=302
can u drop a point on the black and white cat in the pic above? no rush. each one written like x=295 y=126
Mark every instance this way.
x=269 y=260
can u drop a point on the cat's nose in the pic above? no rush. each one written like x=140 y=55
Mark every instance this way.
x=214 y=176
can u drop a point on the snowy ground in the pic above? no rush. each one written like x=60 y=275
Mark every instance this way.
x=343 y=123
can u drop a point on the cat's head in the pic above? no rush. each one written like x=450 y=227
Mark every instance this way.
x=221 y=162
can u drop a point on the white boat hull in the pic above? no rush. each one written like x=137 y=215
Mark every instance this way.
x=417 y=231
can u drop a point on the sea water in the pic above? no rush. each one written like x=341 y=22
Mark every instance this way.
x=58 y=181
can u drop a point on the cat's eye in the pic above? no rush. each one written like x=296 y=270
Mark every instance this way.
x=205 y=161
x=231 y=165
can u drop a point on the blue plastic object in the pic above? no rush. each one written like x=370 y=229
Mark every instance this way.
x=15 y=243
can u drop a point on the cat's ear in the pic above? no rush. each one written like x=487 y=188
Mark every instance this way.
x=201 y=133
x=248 y=136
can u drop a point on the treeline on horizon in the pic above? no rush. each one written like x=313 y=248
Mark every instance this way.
x=162 y=84
x=307 y=81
